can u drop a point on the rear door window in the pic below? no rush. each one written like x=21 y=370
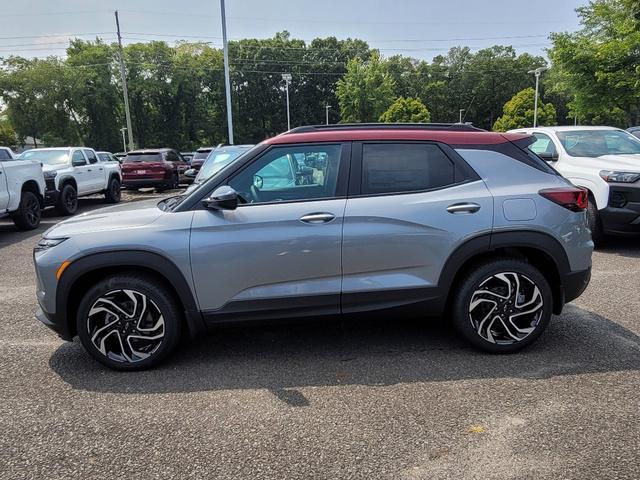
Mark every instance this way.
x=4 y=154
x=404 y=168
x=91 y=156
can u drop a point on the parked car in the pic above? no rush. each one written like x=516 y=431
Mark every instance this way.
x=422 y=218
x=218 y=158
x=200 y=156
x=188 y=156
x=73 y=172
x=108 y=157
x=635 y=131
x=6 y=154
x=605 y=161
x=21 y=192
x=160 y=168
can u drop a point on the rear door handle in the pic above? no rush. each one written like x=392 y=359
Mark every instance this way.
x=463 y=208
x=316 y=218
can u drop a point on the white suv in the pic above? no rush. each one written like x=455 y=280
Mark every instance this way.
x=606 y=161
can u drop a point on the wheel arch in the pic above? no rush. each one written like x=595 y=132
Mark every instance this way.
x=33 y=187
x=539 y=249
x=84 y=272
x=67 y=179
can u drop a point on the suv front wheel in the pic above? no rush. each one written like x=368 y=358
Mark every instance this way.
x=129 y=322
x=502 y=305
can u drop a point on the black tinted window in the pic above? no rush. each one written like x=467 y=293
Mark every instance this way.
x=143 y=157
x=4 y=155
x=91 y=156
x=172 y=156
x=391 y=168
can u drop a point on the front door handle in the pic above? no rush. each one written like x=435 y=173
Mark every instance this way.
x=463 y=208
x=315 y=218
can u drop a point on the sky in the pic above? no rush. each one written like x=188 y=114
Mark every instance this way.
x=417 y=28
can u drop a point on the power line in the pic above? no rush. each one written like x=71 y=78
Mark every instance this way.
x=57 y=35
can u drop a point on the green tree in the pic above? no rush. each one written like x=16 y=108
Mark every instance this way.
x=366 y=90
x=518 y=112
x=7 y=134
x=599 y=65
x=406 y=110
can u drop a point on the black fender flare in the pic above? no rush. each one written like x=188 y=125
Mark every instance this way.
x=124 y=259
x=486 y=243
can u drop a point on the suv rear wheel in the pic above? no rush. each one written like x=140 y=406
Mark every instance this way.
x=129 y=322
x=502 y=305
x=113 y=192
x=595 y=223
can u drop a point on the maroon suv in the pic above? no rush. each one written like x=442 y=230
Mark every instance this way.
x=161 y=168
x=200 y=156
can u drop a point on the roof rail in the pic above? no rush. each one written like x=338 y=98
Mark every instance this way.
x=459 y=127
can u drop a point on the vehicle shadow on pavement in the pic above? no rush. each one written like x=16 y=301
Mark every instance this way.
x=283 y=358
x=622 y=246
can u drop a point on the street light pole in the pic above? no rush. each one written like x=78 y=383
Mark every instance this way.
x=326 y=111
x=287 y=79
x=124 y=85
x=537 y=73
x=461 y=112
x=124 y=141
x=227 y=81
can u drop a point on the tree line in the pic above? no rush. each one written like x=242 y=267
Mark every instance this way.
x=176 y=93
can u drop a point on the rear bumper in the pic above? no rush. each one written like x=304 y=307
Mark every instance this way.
x=142 y=183
x=575 y=283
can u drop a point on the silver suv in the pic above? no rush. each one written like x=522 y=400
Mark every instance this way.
x=431 y=219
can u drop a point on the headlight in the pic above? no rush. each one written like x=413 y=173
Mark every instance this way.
x=619 y=177
x=46 y=243
x=50 y=174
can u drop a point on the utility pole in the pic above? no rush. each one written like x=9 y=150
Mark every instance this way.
x=287 y=80
x=326 y=111
x=124 y=86
x=537 y=73
x=227 y=81
x=124 y=141
x=461 y=112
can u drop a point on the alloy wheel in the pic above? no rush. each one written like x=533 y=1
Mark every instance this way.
x=506 y=308
x=125 y=326
x=70 y=200
x=32 y=211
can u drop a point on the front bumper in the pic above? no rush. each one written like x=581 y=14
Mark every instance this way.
x=622 y=215
x=54 y=323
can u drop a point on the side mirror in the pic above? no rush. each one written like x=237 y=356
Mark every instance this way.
x=222 y=198
x=191 y=173
x=548 y=157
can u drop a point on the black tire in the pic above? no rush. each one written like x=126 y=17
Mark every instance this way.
x=482 y=277
x=157 y=297
x=172 y=185
x=595 y=223
x=68 y=201
x=29 y=213
x=113 y=192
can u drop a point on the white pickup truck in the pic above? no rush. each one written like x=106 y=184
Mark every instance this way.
x=22 y=189
x=72 y=172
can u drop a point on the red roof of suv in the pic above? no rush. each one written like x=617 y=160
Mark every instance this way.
x=453 y=136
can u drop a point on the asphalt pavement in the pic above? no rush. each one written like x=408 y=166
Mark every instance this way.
x=392 y=399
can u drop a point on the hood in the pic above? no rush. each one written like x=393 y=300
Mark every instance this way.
x=53 y=168
x=125 y=215
x=623 y=163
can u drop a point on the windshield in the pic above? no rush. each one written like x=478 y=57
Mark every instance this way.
x=47 y=157
x=143 y=157
x=201 y=155
x=217 y=160
x=595 y=143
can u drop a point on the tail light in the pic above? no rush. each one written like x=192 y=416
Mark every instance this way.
x=575 y=199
